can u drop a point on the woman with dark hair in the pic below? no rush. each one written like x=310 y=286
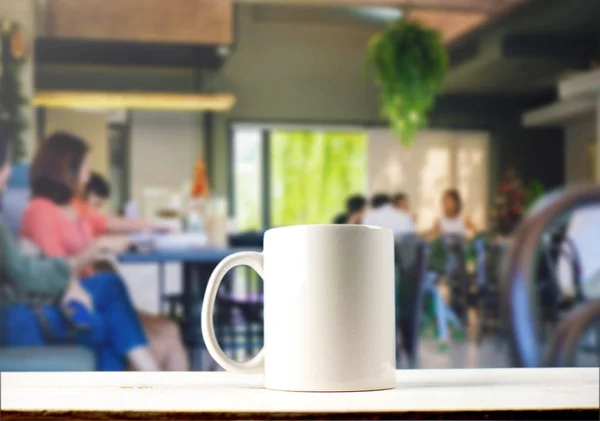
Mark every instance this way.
x=58 y=221
x=452 y=221
x=41 y=300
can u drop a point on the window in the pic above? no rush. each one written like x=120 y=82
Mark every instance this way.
x=297 y=176
x=247 y=173
x=303 y=175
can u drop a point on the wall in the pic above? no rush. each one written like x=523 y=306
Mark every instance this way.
x=292 y=71
x=538 y=154
x=439 y=159
x=23 y=12
x=89 y=125
x=164 y=148
x=579 y=137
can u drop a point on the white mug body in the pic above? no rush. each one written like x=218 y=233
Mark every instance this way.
x=329 y=308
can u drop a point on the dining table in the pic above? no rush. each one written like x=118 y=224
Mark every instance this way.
x=197 y=266
x=512 y=393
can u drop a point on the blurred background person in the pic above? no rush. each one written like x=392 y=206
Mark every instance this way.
x=384 y=214
x=452 y=220
x=62 y=225
x=401 y=202
x=97 y=191
x=356 y=207
x=42 y=300
x=93 y=200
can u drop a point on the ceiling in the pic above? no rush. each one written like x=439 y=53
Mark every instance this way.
x=527 y=50
x=497 y=47
x=452 y=18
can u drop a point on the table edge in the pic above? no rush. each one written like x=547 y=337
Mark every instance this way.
x=501 y=414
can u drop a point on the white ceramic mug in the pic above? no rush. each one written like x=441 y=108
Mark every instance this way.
x=328 y=309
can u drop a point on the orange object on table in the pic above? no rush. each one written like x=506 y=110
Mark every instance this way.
x=200 y=185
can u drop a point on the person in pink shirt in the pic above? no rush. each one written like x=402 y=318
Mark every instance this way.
x=167 y=340
x=61 y=226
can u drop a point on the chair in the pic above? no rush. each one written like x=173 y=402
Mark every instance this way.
x=518 y=288
x=458 y=278
x=411 y=255
x=15 y=199
x=241 y=315
x=252 y=239
x=46 y=358
x=488 y=292
x=547 y=275
x=570 y=331
x=50 y=358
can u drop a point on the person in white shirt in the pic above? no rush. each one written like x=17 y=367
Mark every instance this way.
x=583 y=234
x=402 y=203
x=452 y=221
x=384 y=214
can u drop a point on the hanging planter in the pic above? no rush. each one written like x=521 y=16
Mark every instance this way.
x=409 y=63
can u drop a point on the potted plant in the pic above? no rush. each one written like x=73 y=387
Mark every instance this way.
x=409 y=63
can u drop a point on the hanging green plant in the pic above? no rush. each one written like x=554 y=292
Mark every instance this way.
x=409 y=62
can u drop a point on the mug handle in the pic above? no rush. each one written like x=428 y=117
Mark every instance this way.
x=255 y=261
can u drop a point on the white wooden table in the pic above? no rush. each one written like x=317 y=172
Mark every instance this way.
x=463 y=394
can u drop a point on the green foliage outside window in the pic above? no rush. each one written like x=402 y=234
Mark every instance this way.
x=312 y=174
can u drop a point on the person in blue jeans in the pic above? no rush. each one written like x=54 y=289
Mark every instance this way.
x=113 y=330
x=98 y=314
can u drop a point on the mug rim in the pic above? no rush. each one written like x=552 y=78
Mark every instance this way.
x=331 y=226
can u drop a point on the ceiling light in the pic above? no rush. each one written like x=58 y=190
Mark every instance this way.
x=380 y=13
x=135 y=100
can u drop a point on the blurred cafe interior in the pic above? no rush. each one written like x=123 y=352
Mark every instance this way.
x=166 y=135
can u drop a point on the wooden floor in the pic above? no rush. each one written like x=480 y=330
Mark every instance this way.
x=467 y=354
x=490 y=353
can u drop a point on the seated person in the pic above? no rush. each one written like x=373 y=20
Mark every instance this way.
x=452 y=220
x=165 y=337
x=95 y=195
x=61 y=226
x=383 y=214
x=60 y=297
x=583 y=233
x=402 y=203
x=355 y=209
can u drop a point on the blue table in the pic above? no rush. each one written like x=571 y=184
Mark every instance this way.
x=204 y=255
x=197 y=266
x=209 y=256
